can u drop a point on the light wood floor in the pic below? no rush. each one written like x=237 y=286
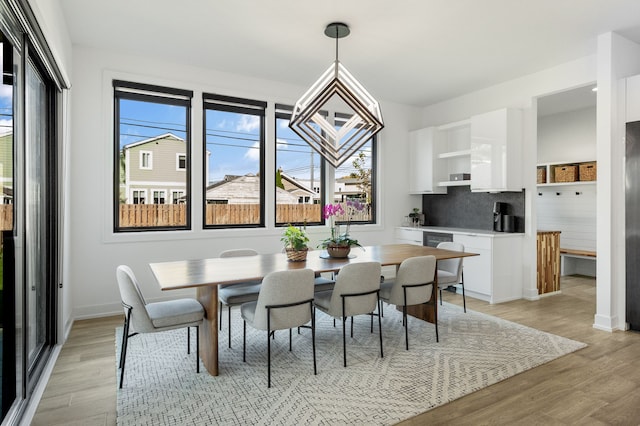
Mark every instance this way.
x=597 y=385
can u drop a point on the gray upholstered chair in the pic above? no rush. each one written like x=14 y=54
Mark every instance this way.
x=143 y=317
x=285 y=301
x=450 y=271
x=413 y=285
x=237 y=294
x=355 y=293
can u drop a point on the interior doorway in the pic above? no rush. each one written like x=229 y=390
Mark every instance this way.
x=565 y=199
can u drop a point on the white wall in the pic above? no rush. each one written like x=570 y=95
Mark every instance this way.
x=617 y=58
x=568 y=136
x=96 y=251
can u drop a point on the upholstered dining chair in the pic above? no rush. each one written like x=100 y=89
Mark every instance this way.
x=356 y=293
x=236 y=294
x=413 y=285
x=285 y=301
x=450 y=271
x=143 y=317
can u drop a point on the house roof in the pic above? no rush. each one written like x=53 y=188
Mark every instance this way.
x=153 y=139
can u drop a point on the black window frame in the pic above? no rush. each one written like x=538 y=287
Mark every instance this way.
x=338 y=116
x=283 y=111
x=142 y=92
x=211 y=101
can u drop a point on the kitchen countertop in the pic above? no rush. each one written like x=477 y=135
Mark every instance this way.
x=463 y=231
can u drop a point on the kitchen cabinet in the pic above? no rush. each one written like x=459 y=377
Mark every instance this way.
x=496 y=145
x=424 y=169
x=409 y=236
x=455 y=151
x=496 y=274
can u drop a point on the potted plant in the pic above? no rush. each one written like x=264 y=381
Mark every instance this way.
x=339 y=244
x=295 y=243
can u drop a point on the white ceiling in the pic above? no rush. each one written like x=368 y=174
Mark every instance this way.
x=414 y=52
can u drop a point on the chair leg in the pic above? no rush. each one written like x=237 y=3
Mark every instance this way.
x=406 y=326
x=464 y=299
x=220 y=320
x=290 y=340
x=229 y=319
x=313 y=337
x=197 y=349
x=125 y=342
x=352 y=327
x=269 y=348
x=188 y=340
x=344 y=335
x=440 y=290
x=380 y=329
x=244 y=341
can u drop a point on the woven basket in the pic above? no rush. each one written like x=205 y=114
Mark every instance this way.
x=588 y=172
x=541 y=175
x=566 y=173
x=297 y=255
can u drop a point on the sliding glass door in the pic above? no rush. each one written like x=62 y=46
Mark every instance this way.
x=28 y=217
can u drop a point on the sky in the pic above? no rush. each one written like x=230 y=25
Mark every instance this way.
x=232 y=139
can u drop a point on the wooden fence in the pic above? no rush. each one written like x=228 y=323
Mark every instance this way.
x=6 y=217
x=157 y=215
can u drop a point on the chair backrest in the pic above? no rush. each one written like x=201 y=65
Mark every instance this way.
x=239 y=252
x=414 y=270
x=131 y=295
x=280 y=288
x=356 y=278
x=453 y=266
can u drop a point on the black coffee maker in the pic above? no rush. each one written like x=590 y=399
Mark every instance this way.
x=499 y=210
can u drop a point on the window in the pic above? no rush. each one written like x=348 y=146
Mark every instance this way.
x=233 y=161
x=177 y=197
x=181 y=162
x=151 y=149
x=146 y=160
x=139 y=196
x=299 y=173
x=355 y=178
x=159 y=197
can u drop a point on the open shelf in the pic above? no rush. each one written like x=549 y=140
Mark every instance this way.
x=584 y=172
x=455 y=183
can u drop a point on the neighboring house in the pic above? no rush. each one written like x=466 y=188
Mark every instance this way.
x=154 y=171
x=246 y=190
x=6 y=168
x=300 y=188
x=348 y=188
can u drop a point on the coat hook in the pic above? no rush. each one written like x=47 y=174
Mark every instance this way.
x=578 y=193
x=539 y=194
x=557 y=193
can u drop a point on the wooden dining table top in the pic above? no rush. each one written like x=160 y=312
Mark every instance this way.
x=174 y=275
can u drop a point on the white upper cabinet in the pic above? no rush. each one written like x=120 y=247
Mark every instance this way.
x=424 y=170
x=496 y=143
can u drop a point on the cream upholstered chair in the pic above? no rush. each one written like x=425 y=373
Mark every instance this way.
x=237 y=294
x=285 y=301
x=450 y=271
x=355 y=293
x=142 y=317
x=413 y=285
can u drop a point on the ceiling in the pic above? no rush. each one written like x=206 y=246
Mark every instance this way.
x=414 y=52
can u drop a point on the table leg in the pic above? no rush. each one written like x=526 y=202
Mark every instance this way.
x=208 y=297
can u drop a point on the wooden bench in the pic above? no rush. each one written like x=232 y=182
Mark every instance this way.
x=571 y=267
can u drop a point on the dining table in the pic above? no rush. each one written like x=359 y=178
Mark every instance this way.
x=205 y=275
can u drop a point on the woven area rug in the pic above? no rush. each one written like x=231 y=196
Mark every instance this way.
x=475 y=350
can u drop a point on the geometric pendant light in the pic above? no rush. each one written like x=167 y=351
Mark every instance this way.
x=336 y=144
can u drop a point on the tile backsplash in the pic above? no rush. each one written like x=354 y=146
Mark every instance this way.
x=461 y=208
